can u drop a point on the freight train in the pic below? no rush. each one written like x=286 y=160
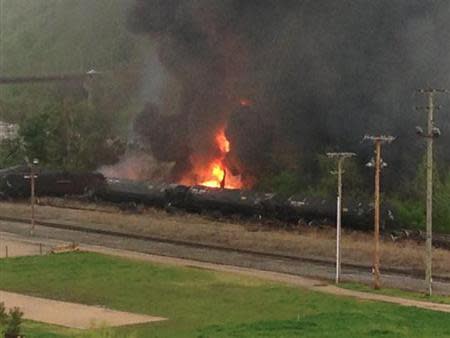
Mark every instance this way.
x=15 y=183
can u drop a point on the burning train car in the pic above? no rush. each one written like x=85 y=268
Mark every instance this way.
x=15 y=183
x=160 y=195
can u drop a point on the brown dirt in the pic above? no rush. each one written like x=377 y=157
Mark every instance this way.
x=17 y=248
x=357 y=247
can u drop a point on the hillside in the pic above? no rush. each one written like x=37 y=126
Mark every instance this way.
x=58 y=124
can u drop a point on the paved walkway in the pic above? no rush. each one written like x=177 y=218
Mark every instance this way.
x=71 y=315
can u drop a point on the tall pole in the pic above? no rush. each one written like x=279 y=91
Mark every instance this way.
x=376 y=256
x=32 y=177
x=338 y=222
x=378 y=164
x=340 y=159
x=429 y=203
x=432 y=132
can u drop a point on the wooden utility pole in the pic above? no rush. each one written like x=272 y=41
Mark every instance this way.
x=32 y=178
x=340 y=159
x=33 y=199
x=432 y=132
x=378 y=164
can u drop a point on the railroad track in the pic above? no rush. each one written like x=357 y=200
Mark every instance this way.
x=439 y=240
x=259 y=254
x=398 y=234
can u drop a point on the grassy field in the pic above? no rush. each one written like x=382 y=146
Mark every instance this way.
x=202 y=303
x=397 y=293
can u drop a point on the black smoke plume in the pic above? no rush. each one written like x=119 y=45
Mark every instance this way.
x=319 y=74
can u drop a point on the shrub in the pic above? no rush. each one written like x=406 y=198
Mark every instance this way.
x=285 y=183
x=3 y=315
x=15 y=320
x=408 y=213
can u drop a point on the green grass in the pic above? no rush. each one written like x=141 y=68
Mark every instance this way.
x=40 y=330
x=201 y=303
x=397 y=293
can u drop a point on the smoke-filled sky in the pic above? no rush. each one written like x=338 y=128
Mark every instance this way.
x=320 y=74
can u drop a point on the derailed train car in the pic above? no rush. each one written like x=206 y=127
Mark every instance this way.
x=15 y=182
x=225 y=201
x=246 y=203
x=357 y=215
x=127 y=191
x=140 y=192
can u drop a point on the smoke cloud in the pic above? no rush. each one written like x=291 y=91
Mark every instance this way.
x=290 y=79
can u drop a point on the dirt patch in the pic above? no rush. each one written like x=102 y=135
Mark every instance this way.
x=17 y=248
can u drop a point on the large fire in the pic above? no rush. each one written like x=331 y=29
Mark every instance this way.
x=215 y=174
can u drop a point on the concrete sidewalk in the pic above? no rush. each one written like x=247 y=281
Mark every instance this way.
x=71 y=315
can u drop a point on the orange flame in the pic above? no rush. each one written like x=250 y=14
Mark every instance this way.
x=215 y=174
x=222 y=142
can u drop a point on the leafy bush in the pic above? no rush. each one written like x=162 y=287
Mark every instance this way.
x=290 y=182
x=410 y=206
x=441 y=205
x=3 y=315
x=14 y=322
x=285 y=183
x=408 y=213
x=352 y=179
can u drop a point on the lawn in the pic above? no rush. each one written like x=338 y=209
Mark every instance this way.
x=203 y=303
x=397 y=293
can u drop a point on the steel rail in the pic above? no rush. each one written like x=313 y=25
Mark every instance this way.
x=318 y=261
